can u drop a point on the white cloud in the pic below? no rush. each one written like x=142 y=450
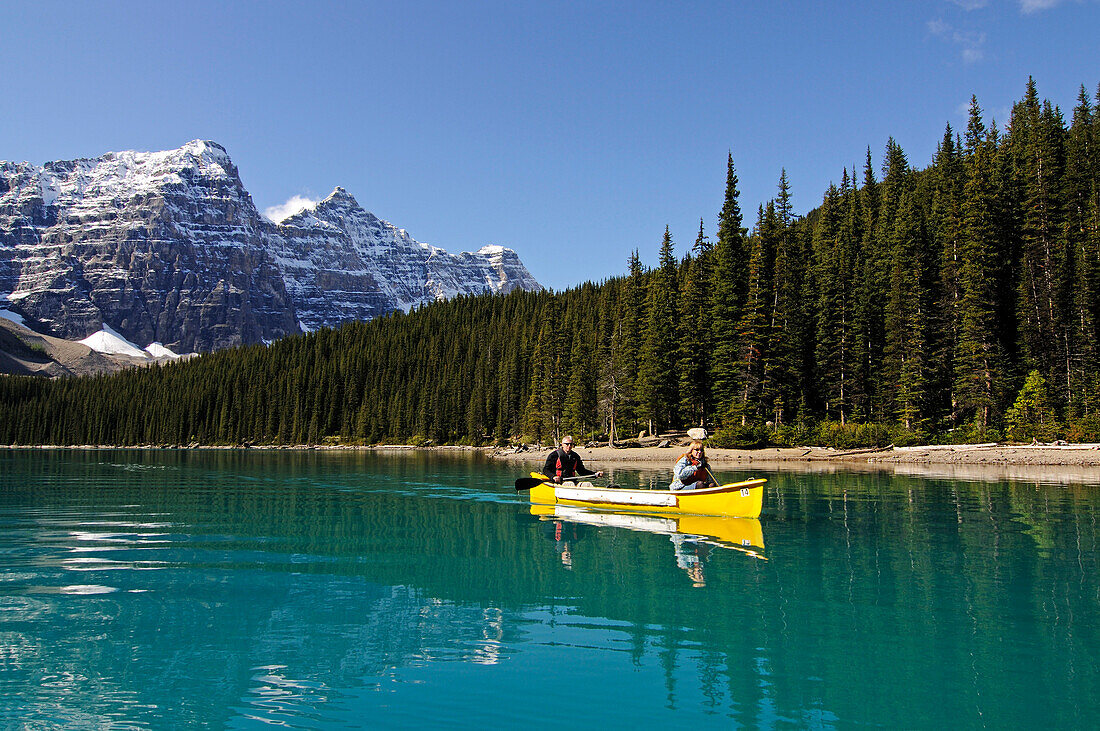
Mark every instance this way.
x=1026 y=6
x=970 y=43
x=296 y=204
x=1034 y=6
x=939 y=28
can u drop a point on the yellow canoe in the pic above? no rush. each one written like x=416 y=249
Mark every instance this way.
x=736 y=500
x=744 y=534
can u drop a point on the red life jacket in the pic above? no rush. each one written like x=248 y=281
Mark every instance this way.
x=700 y=474
x=561 y=470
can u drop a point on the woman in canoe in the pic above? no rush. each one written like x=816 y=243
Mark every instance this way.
x=692 y=471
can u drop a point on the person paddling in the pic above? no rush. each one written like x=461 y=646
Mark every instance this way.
x=692 y=471
x=564 y=462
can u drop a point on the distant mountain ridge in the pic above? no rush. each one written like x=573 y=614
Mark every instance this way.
x=169 y=247
x=337 y=254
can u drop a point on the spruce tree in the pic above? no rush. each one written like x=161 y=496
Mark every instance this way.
x=977 y=358
x=906 y=317
x=612 y=387
x=834 y=261
x=729 y=291
x=784 y=334
x=626 y=342
x=579 y=410
x=1036 y=150
x=944 y=229
x=871 y=297
x=1083 y=263
x=752 y=328
x=542 y=415
x=655 y=388
x=696 y=345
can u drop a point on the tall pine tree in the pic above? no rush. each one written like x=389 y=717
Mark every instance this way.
x=977 y=359
x=729 y=292
x=695 y=338
x=655 y=388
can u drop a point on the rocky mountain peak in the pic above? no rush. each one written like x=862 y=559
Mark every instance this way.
x=168 y=247
x=341 y=195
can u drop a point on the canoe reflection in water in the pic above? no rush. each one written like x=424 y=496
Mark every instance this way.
x=693 y=537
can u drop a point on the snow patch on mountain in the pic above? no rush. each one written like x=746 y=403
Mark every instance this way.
x=13 y=316
x=109 y=341
x=160 y=352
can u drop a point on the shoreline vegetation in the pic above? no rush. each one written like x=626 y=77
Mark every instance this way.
x=1044 y=455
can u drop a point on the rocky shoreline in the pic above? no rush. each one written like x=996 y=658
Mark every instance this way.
x=1058 y=464
x=1079 y=456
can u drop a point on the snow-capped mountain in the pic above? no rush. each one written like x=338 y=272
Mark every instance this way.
x=341 y=262
x=168 y=247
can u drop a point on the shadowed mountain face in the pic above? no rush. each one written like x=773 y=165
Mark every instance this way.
x=168 y=247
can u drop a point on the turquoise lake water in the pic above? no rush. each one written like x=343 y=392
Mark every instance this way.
x=338 y=590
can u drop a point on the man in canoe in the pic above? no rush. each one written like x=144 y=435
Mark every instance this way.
x=692 y=471
x=564 y=462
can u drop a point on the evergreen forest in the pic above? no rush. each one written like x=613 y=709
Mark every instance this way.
x=955 y=303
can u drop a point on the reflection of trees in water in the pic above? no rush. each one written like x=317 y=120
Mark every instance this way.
x=345 y=635
x=269 y=641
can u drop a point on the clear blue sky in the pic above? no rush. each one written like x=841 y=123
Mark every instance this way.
x=572 y=132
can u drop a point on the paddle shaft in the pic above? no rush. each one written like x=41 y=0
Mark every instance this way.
x=712 y=477
x=574 y=478
x=719 y=484
x=536 y=478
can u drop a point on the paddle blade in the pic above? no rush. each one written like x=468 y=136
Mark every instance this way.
x=526 y=483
